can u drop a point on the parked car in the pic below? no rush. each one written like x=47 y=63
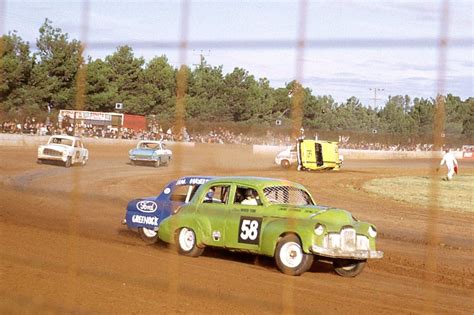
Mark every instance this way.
x=146 y=214
x=271 y=217
x=66 y=149
x=150 y=152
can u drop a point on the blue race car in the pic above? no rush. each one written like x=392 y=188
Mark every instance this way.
x=146 y=214
x=150 y=152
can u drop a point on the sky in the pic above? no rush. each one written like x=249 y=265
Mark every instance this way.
x=351 y=48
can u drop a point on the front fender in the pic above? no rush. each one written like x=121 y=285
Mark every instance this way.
x=274 y=230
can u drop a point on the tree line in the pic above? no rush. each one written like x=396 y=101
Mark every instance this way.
x=57 y=76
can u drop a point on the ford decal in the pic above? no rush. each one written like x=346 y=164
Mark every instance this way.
x=147 y=206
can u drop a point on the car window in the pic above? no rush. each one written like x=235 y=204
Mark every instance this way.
x=246 y=196
x=287 y=195
x=183 y=193
x=217 y=194
x=63 y=141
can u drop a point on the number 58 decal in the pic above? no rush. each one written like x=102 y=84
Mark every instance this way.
x=249 y=230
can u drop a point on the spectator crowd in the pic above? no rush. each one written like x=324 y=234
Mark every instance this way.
x=219 y=135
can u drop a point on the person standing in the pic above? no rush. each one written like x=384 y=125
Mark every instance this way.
x=451 y=163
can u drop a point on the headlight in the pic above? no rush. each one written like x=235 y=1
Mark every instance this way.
x=372 y=231
x=319 y=229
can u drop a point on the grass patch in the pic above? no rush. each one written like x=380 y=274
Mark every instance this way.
x=454 y=195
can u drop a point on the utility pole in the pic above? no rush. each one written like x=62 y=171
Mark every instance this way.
x=375 y=95
x=201 y=57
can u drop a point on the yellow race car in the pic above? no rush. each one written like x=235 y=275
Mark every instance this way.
x=318 y=155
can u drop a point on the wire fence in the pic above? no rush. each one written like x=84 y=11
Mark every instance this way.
x=301 y=44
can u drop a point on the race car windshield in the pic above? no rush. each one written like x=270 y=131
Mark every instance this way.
x=147 y=145
x=62 y=141
x=287 y=195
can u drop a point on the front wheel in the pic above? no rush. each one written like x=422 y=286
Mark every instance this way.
x=285 y=164
x=147 y=235
x=348 y=267
x=290 y=258
x=68 y=162
x=186 y=240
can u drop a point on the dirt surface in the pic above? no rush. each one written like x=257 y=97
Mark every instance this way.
x=64 y=250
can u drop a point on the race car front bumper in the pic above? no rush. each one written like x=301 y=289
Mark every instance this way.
x=339 y=253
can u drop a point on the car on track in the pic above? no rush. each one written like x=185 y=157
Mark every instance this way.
x=310 y=154
x=150 y=152
x=66 y=149
x=287 y=157
x=271 y=217
x=146 y=214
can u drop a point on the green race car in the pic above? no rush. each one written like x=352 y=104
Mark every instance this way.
x=271 y=217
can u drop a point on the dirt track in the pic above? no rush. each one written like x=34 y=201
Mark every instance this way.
x=63 y=249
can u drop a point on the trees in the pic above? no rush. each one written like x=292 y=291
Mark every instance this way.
x=126 y=79
x=54 y=76
x=160 y=85
x=15 y=71
x=56 y=66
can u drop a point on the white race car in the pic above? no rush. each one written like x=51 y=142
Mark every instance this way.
x=287 y=157
x=67 y=149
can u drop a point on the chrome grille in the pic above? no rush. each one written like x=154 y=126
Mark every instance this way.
x=52 y=152
x=348 y=239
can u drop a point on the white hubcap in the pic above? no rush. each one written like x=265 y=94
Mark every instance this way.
x=148 y=232
x=186 y=239
x=291 y=254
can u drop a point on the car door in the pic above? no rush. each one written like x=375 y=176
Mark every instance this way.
x=76 y=153
x=244 y=222
x=213 y=211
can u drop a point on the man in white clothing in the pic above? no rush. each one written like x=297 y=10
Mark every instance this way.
x=249 y=198
x=451 y=163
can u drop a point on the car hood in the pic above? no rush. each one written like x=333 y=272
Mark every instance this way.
x=325 y=215
x=57 y=147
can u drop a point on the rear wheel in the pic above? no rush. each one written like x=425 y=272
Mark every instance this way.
x=147 y=235
x=186 y=240
x=285 y=163
x=290 y=258
x=348 y=267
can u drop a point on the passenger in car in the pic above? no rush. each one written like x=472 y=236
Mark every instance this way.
x=210 y=194
x=249 y=198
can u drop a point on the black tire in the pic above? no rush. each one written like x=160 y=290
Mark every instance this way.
x=290 y=258
x=39 y=161
x=147 y=235
x=68 y=162
x=133 y=162
x=157 y=163
x=285 y=163
x=186 y=243
x=348 y=267
x=165 y=163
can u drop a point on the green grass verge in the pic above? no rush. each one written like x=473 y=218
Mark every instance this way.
x=454 y=195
